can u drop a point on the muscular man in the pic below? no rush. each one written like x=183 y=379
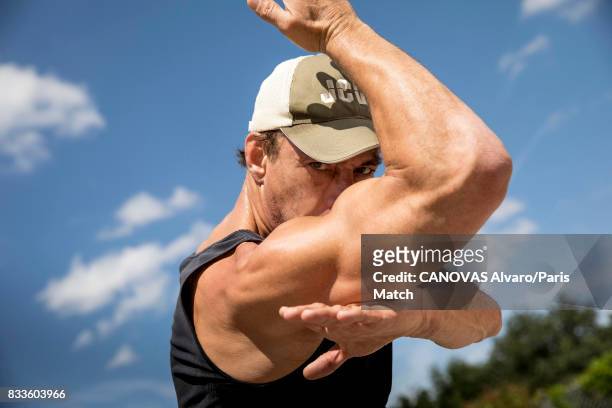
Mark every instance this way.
x=267 y=313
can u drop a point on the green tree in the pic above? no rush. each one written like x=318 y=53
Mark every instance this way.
x=536 y=352
x=505 y=396
x=597 y=378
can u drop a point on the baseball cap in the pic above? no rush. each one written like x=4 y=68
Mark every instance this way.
x=317 y=107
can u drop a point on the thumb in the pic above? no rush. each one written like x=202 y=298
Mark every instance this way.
x=269 y=11
x=326 y=364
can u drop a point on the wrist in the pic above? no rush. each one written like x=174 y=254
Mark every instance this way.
x=340 y=30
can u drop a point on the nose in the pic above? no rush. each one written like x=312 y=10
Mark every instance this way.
x=342 y=180
x=346 y=177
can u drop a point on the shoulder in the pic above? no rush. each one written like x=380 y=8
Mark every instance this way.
x=225 y=328
x=222 y=272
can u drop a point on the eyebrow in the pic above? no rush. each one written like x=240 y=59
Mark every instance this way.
x=372 y=162
x=375 y=161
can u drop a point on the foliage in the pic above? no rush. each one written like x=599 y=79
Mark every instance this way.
x=529 y=363
x=598 y=376
x=557 y=394
x=505 y=396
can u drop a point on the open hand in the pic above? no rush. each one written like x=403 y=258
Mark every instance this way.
x=356 y=331
x=311 y=24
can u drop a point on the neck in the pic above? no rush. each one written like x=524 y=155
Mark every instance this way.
x=247 y=212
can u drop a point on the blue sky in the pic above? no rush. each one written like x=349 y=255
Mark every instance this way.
x=118 y=122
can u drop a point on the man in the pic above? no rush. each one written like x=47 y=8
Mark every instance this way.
x=268 y=311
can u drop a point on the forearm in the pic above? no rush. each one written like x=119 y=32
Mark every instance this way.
x=454 y=328
x=419 y=122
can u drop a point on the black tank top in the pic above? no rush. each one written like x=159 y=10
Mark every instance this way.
x=359 y=382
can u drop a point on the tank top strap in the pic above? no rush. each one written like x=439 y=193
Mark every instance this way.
x=360 y=381
x=196 y=261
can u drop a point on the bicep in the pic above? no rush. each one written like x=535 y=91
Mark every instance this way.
x=318 y=259
x=294 y=265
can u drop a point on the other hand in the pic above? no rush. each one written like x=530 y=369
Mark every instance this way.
x=311 y=24
x=357 y=332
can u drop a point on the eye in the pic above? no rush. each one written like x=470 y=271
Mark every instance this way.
x=364 y=171
x=318 y=165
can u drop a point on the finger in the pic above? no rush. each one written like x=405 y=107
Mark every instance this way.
x=364 y=316
x=295 y=312
x=322 y=316
x=294 y=315
x=326 y=364
x=352 y=316
x=356 y=316
x=269 y=11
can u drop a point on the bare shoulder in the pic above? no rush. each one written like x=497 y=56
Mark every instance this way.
x=249 y=344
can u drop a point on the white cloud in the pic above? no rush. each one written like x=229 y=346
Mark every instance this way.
x=123 y=357
x=130 y=281
x=26 y=149
x=143 y=208
x=182 y=199
x=509 y=219
x=508 y=208
x=513 y=63
x=556 y=119
x=143 y=297
x=522 y=225
x=32 y=106
x=553 y=122
x=573 y=11
x=84 y=338
x=579 y=10
x=532 y=7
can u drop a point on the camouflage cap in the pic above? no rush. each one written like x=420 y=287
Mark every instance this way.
x=317 y=107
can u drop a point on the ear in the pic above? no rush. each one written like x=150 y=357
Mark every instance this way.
x=255 y=157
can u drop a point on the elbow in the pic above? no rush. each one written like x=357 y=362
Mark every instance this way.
x=485 y=159
x=469 y=327
x=490 y=325
x=488 y=315
x=493 y=323
x=491 y=172
x=494 y=166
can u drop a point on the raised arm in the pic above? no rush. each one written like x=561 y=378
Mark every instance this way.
x=445 y=170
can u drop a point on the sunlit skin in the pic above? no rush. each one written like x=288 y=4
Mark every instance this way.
x=263 y=309
x=275 y=190
x=297 y=185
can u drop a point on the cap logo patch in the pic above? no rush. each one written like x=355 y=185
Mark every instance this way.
x=343 y=90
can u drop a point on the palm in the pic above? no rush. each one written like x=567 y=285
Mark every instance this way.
x=357 y=332
x=360 y=338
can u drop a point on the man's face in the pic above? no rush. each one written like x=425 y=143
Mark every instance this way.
x=296 y=185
